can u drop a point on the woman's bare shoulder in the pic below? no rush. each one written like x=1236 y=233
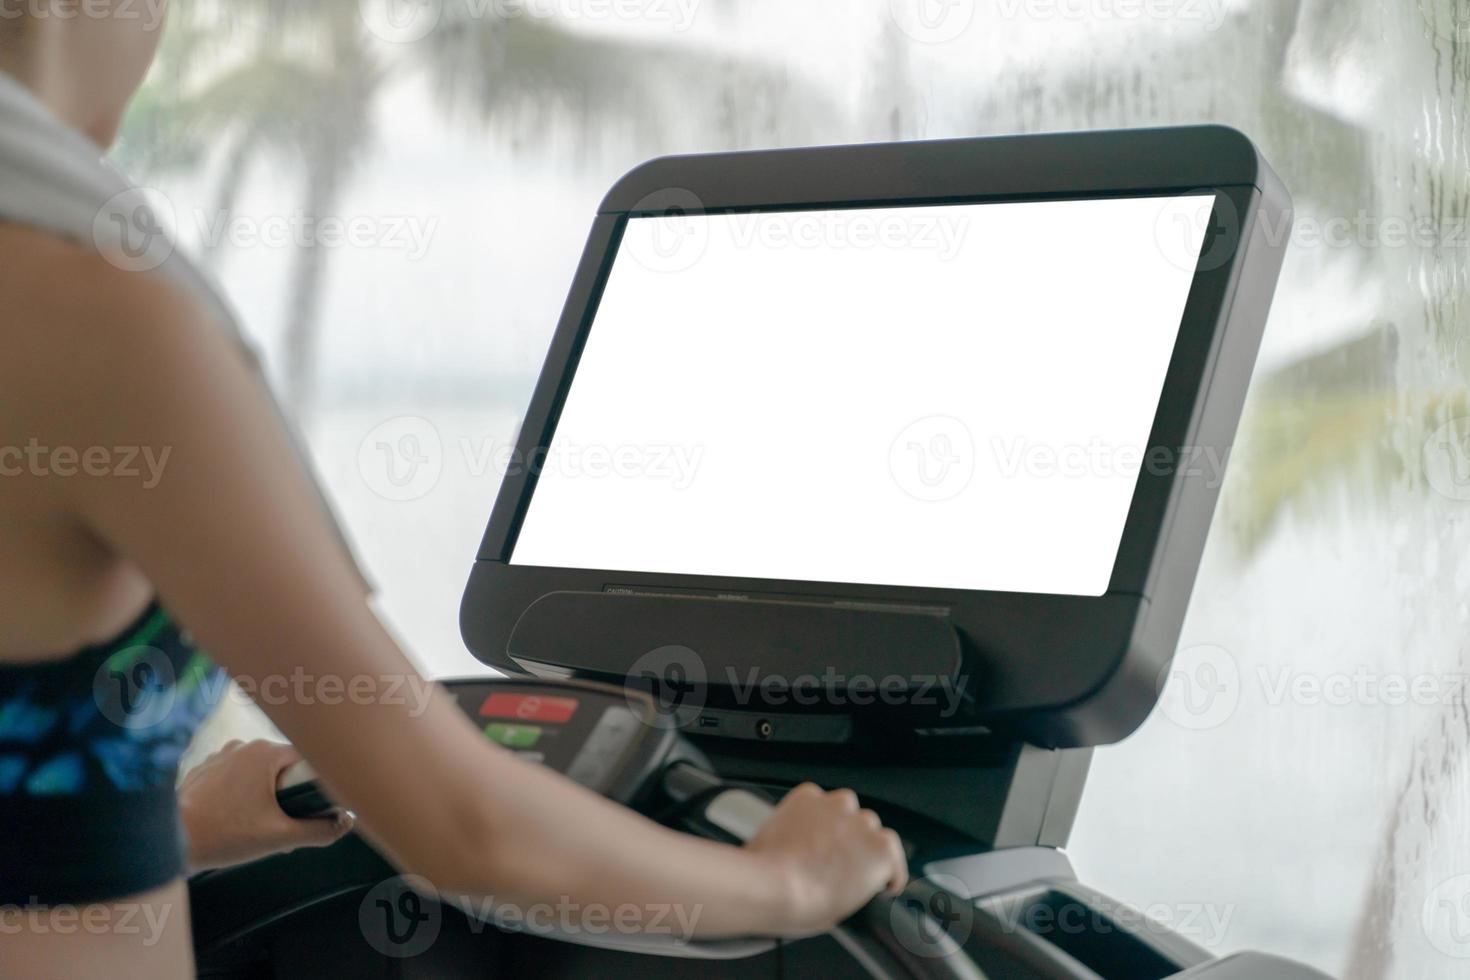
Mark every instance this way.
x=72 y=314
x=46 y=275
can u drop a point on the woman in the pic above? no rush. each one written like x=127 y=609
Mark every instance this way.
x=229 y=541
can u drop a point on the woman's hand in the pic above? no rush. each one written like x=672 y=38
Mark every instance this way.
x=228 y=805
x=831 y=856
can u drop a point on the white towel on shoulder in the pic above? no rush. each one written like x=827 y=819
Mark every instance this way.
x=53 y=179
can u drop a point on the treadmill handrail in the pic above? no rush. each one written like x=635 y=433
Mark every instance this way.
x=869 y=936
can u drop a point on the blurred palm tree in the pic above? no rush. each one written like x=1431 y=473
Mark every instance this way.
x=299 y=83
x=227 y=83
x=1327 y=420
x=1344 y=414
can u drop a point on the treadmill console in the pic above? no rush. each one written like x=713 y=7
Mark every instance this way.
x=607 y=739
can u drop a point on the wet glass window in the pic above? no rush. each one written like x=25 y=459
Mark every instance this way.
x=396 y=193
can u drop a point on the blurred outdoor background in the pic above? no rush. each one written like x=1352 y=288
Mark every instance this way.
x=1303 y=786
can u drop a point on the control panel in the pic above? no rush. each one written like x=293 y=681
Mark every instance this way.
x=606 y=738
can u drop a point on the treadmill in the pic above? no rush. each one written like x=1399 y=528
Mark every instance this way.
x=878 y=466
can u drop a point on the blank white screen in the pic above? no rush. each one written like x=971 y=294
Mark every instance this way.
x=950 y=397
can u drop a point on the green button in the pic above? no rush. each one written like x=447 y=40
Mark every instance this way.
x=513 y=736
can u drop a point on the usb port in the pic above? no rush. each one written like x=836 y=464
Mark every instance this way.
x=708 y=721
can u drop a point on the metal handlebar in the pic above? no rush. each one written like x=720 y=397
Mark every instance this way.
x=891 y=936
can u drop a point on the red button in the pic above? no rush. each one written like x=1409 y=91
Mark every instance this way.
x=528 y=707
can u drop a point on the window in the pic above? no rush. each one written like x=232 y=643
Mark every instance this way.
x=396 y=195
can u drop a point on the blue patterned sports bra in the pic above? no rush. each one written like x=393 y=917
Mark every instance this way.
x=89 y=752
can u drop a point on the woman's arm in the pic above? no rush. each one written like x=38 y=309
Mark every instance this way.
x=238 y=549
